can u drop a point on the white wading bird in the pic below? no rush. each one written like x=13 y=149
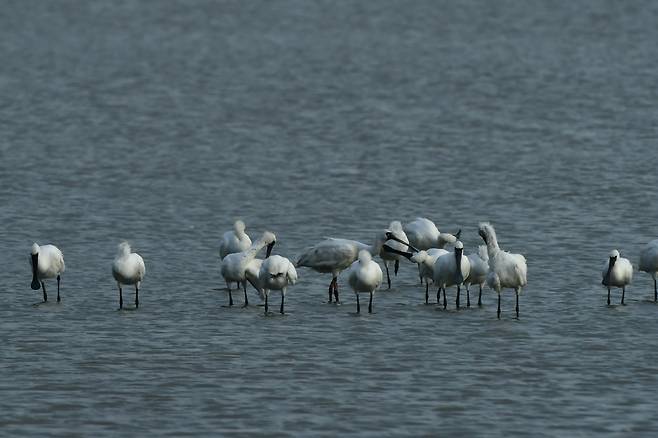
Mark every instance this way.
x=234 y=241
x=425 y=261
x=335 y=255
x=649 y=263
x=506 y=270
x=399 y=243
x=47 y=262
x=234 y=266
x=451 y=270
x=423 y=234
x=479 y=270
x=128 y=268
x=364 y=276
x=276 y=273
x=617 y=272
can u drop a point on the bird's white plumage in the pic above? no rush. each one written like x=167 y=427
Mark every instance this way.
x=425 y=260
x=365 y=275
x=621 y=273
x=277 y=273
x=50 y=262
x=479 y=266
x=446 y=272
x=395 y=228
x=234 y=265
x=128 y=267
x=236 y=240
x=649 y=258
x=423 y=234
x=506 y=270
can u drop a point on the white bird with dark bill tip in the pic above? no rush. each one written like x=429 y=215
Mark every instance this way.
x=234 y=266
x=276 y=273
x=451 y=270
x=479 y=270
x=425 y=261
x=47 y=262
x=128 y=268
x=506 y=270
x=335 y=255
x=365 y=276
x=236 y=240
x=399 y=243
x=649 y=263
x=423 y=234
x=617 y=272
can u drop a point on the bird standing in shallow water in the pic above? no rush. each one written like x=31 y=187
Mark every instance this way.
x=451 y=269
x=617 y=272
x=276 y=273
x=47 y=262
x=365 y=276
x=128 y=268
x=506 y=270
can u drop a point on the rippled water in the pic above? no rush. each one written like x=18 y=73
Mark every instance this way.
x=162 y=122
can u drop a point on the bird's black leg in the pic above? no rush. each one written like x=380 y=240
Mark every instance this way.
x=230 y=295
x=438 y=296
x=427 y=293
x=608 y=296
x=282 y=299
x=388 y=276
x=45 y=295
x=480 y=297
x=623 y=292
x=136 y=296
x=331 y=290
x=397 y=266
x=468 y=297
x=517 y=304
x=419 y=275
x=244 y=287
x=358 y=305
x=445 y=300
x=120 y=298
x=457 y=300
x=266 y=306
x=336 y=291
x=655 y=291
x=58 y=298
x=370 y=304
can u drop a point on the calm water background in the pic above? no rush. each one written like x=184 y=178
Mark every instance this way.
x=162 y=122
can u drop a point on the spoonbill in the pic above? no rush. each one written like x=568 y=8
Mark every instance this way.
x=451 y=270
x=479 y=269
x=235 y=265
x=425 y=261
x=649 y=263
x=399 y=243
x=236 y=240
x=423 y=234
x=128 y=268
x=47 y=262
x=365 y=275
x=617 y=272
x=506 y=270
x=276 y=273
x=335 y=255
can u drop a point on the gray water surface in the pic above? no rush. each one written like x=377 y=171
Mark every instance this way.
x=162 y=122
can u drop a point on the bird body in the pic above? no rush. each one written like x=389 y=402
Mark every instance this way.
x=649 y=263
x=47 y=261
x=479 y=269
x=451 y=269
x=617 y=272
x=365 y=276
x=423 y=234
x=236 y=240
x=425 y=260
x=506 y=270
x=276 y=273
x=234 y=266
x=399 y=242
x=128 y=268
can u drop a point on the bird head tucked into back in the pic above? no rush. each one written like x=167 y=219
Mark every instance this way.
x=364 y=257
x=123 y=248
x=239 y=227
x=486 y=232
x=419 y=257
x=35 y=249
x=270 y=240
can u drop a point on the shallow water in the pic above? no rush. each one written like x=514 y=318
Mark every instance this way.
x=312 y=119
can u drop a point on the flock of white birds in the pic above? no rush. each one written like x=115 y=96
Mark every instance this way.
x=439 y=257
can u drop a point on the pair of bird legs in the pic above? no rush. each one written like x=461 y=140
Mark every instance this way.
x=395 y=270
x=121 y=297
x=358 y=305
x=45 y=295
x=445 y=302
x=246 y=299
x=623 y=293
